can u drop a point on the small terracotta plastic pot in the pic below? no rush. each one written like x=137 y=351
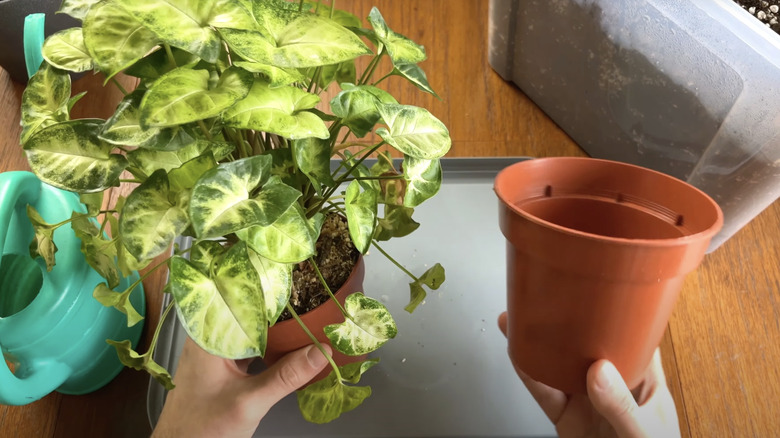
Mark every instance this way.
x=597 y=252
x=287 y=335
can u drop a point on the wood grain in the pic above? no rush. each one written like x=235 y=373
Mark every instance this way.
x=724 y=337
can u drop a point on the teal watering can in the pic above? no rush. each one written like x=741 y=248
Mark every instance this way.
x=51 y=328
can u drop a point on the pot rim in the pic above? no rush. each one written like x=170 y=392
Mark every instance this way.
x=706 y=234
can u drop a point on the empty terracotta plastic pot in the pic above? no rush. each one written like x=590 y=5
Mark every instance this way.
x=287 y=335
x=597 y=252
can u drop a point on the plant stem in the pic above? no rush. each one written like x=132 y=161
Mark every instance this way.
x=375 y=178
x=315 y=341
x=327 y=288
x=300 y=6
x=343 y=177
x=118 y=85
x=382 y=78
x=171 y=59
x=332 y=8
x=157 y=330
x=204 y=129
x=384 y=253
x=371 y=67
x=132 y=181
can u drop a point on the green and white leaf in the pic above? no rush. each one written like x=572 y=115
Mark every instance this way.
x=188 y=24
x=414 y=131
x=73 y=100
x=43 y=241
x=118 y=300
x=416 y=296
x=287 y=240
x=357 y=106
x=70 y=156
x=277 y=77
x=44 y=101
x=184 y=95
x=157 y=63
x=397 y=222
x=279 y=110
x=296 y=41
x=224 y=313
x=222 y=203
x=343 y=72
x=149 y=220
x=312 y=156
x=324 y=401
x=93 y=202
x=401 y=49
x=148 y=160
x=368 y=326
x=76 y=8
x=185 y=177
x=276 y=283
x=361 y=208
x=423 y=179
x=65 y=50
x=414 y=74
x=204 y=253
x=98 y=251
x=114 y=38
x=143 y=362
x=124 y=126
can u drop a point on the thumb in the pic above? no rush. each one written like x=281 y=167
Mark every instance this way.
x=288 y=374
x=613 y=400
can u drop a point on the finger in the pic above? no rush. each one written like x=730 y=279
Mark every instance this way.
x=612 y=399
x=502 y=323
x=288 y=374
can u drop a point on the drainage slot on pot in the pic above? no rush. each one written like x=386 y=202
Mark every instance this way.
x=20 y=281
x=602 y=217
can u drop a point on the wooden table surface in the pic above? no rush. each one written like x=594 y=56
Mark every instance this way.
x=723 y=343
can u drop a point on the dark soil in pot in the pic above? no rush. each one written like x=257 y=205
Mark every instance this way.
x=768 y=12
x=336 y=257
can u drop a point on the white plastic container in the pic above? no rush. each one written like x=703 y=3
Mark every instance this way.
x=687 y=87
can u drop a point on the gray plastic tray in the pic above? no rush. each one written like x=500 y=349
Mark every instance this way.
x=447 y=373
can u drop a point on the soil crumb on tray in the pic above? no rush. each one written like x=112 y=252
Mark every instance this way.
x=768 y=12
x=336 y=256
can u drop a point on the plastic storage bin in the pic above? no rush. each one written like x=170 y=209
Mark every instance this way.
x=690 y=88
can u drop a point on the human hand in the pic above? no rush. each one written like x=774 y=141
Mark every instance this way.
x=609 y=409
x=216 y=397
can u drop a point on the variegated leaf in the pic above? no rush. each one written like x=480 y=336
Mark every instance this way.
x=222 y=201
x=423 y=179
x=43 y=241
x=397 y=222
x=361 y=208
x=114 y=38
x=184 y=95
x=414 y=131
x=149 y=220
x=401 y=49
x=99 y=251
x=204 y=253
x=324 y=401
x=124 y=126
x=189 y=24
x=367 y=327
x=297 y=41
x=225 y=313
x=277 y=77
x=70 y=156
x=119 y=300
x=279 y=110
x=45 y=100
x=312 y=156
x=286 y=240
x=142 y=362
x=433 y=278
x=148 y=161
x=65 y=50
x=185 y=177
x=76 y=8
x=276 y=283
x=357 y=106
x=414 y=74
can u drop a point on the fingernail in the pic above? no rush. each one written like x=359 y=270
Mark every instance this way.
x=316 y=358
x=607 y=376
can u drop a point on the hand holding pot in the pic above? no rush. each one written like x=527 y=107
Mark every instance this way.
x=217 y=397
x=609 y=409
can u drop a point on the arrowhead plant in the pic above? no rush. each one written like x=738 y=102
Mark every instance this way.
x=227 y=139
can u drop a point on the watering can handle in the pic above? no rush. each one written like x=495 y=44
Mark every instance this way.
x=40 y=380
